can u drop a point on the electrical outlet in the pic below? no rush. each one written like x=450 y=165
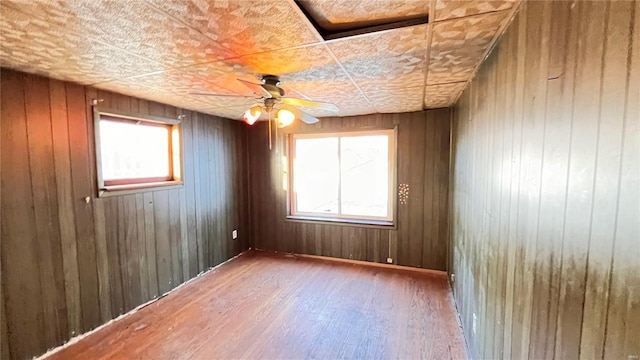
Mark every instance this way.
x=453 y=278
x=389 y=261
x=234 y=234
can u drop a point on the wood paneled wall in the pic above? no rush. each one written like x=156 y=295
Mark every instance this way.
x=68 y=265
x=546 y=171
x=423 y=162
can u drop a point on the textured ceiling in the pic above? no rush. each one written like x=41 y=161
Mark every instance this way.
x=162 y=50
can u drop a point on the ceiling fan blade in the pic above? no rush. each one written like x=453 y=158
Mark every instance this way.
x=223 y=96
x=258 y=89
x=310 y=104
x=306 y=118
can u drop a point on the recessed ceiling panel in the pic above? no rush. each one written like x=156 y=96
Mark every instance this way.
x=339 y=15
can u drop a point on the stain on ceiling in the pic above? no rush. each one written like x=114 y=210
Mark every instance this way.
x=164 y=50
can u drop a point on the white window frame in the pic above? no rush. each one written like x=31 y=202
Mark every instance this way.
x=294 y=214
x=176 y=163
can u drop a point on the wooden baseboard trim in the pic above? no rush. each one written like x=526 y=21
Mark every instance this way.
x=79 y=337
x=360 y=262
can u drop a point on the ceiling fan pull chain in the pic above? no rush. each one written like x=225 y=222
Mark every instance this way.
x=269 y=130
x=275 y=124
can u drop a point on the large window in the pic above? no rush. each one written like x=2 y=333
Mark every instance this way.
x=343 y=176
x=136 y=152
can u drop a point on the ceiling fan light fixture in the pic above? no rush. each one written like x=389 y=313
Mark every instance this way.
x=285 y=118
x=252 y=114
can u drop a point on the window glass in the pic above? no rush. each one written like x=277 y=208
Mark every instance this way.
x=134 y=150
x=364 y=175
x=343 y=175
x=317 y=175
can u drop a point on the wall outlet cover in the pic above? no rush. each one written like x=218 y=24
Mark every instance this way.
x=234 y=234
x=389 y=261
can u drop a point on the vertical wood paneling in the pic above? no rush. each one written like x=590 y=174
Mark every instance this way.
x=45 y=204
x=61 y=155
x=77 y=264
x=544 y=176
x=150 y=245
x=22 y=294
x=607 y=178
x=163 y=248
x=623 y=312
x=420 y=239
x=5 y=353
x=82 y=188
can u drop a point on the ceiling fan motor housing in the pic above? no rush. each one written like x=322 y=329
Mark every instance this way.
x=271 y=83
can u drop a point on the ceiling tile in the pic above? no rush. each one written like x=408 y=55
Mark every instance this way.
x=129 y=25
x=310 y=72
x=341 y=92
x=457 y=46
x=398 y=100
x=216 y=102
x=244 y=27
x=152 y=94
x=448 y=9
x=345 y=110
x=336 y=15
x=395 y=57
x=164 y=50
x=443 y=95
x=218 y=78
x=313 y=62
x=31 y=45
x=229 y=113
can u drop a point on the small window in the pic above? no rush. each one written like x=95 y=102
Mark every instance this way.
x=345 y=177
x=136 y=152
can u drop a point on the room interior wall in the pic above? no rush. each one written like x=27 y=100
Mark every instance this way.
x=545 y=181
x=68 y=265
x=420 y=239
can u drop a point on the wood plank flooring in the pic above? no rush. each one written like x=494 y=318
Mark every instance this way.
x=268 y=306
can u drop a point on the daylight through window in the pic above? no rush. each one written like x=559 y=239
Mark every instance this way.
x=133 y=153
x=343 y=175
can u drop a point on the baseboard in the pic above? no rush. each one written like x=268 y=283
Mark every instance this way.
x=361 y=262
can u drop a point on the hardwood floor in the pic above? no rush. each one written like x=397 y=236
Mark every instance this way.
x=268 y=306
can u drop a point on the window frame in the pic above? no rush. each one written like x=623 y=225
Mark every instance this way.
x=130 y=186
x=343 y=219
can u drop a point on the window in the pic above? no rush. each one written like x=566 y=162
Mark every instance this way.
x=343 y=176
x=135 y=152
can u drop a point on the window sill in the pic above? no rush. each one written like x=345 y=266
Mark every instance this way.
x=379 y=224
x=117 y=190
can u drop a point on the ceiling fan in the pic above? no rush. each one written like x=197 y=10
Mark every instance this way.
x=271 y=98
